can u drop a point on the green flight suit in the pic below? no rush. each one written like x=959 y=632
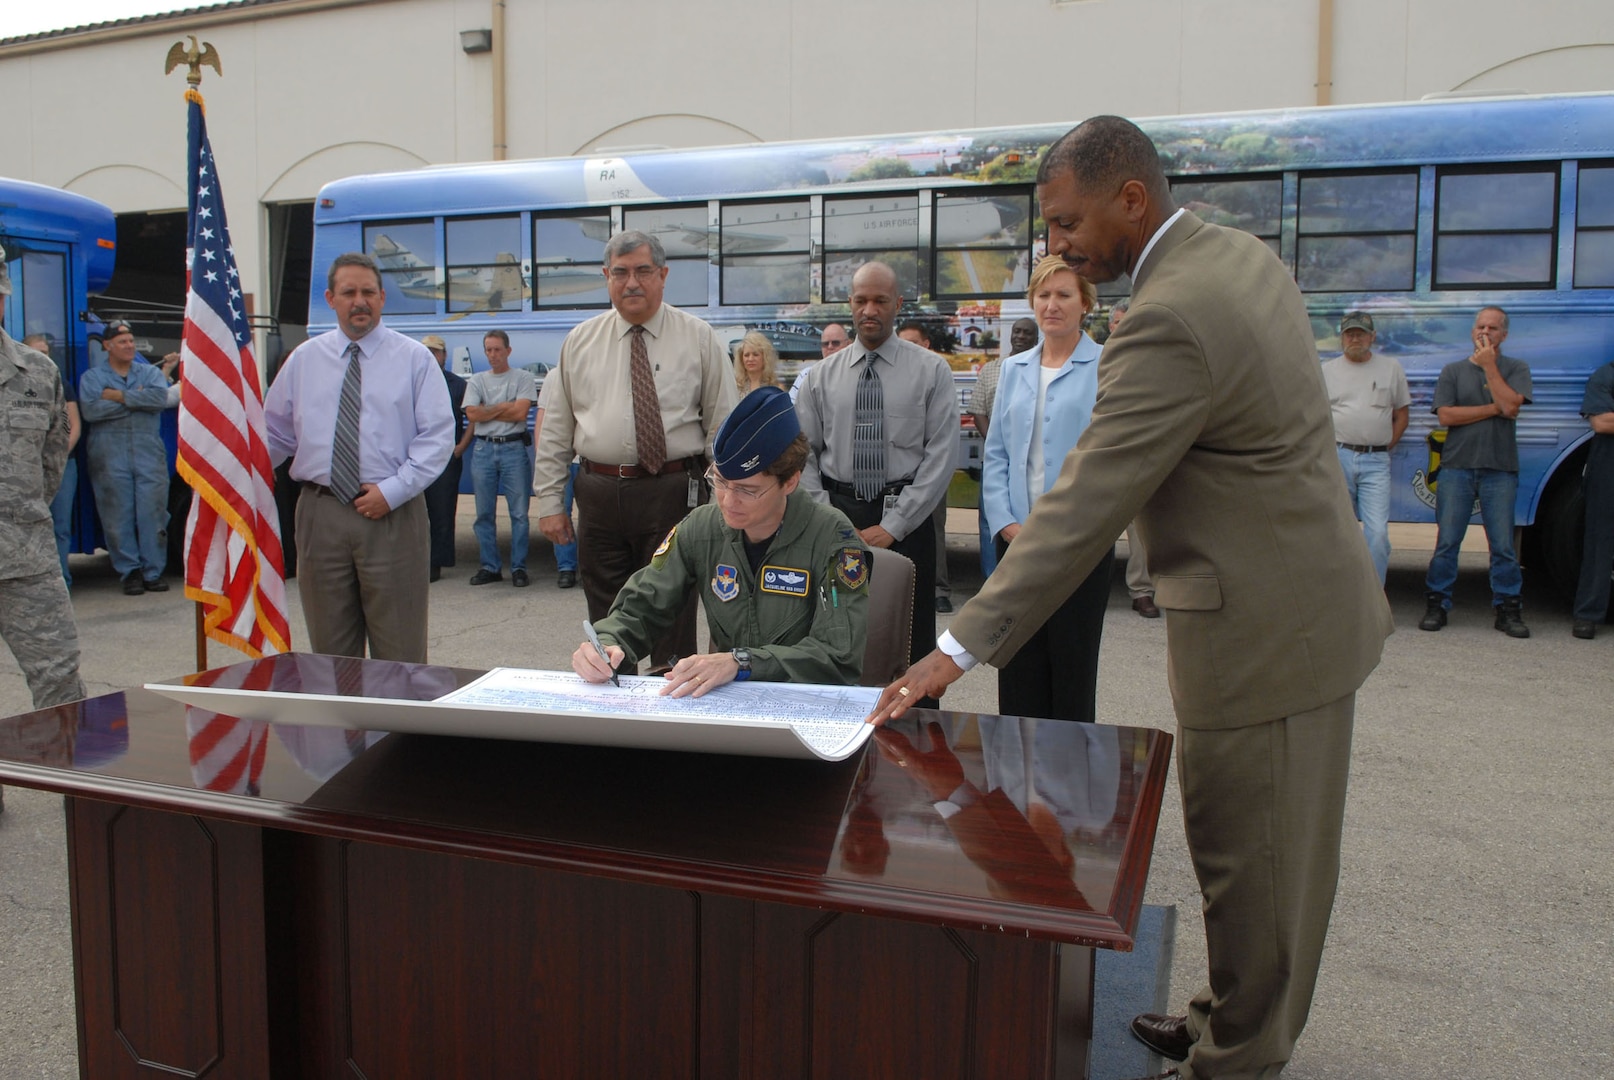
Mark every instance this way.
x=803 y=615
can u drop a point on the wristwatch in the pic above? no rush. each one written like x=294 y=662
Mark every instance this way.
x=743 y=658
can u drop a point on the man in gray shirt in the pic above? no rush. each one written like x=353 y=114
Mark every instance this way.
x=882 y=423
x=1478 y=399
x=497 y=402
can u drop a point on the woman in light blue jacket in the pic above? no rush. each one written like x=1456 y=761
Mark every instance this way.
x=1044 y=402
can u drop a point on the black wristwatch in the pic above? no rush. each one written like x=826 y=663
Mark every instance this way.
x=743 y=658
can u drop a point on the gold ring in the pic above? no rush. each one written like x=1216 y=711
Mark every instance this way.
x=903 y=690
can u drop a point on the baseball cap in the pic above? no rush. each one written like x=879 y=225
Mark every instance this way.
x=114 y=328
x=1356 y=320
x=432 y=341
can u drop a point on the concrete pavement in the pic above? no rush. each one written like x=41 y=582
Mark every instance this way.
x=1472 y=932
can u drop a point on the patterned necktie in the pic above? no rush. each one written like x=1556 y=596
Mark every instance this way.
x=868 y=434
x=345 y=447
x=648 y=434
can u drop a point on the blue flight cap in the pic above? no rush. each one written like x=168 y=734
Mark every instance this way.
x=761 y=427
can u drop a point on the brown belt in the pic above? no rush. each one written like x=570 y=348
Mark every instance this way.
x=634 y=472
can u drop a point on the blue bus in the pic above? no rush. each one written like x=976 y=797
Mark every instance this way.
x=1420 y=213
x=60 y=248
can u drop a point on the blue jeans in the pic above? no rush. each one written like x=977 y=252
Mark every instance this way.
x=1454 y=504
x=506 y=464
x=1367 y=478
x=566 y=554
x=61 y=514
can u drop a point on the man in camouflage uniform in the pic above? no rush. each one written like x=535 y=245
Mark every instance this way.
x=36 y=618
x=784 y=580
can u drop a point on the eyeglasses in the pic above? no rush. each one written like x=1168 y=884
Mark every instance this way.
x=639 y=273
x=832 y=346
x=720 y=486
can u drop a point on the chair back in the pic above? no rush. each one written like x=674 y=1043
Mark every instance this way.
x=885 y=655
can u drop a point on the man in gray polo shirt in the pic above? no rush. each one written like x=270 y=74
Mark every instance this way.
x=1478 y=399
x=497 y=402
x=1371 y=405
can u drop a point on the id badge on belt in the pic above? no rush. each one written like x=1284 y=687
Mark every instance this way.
x=888 y=505
x=694 y=491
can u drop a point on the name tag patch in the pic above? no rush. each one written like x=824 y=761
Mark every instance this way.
x=786 y=580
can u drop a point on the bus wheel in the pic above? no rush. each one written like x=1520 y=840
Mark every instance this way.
x=1558 y=533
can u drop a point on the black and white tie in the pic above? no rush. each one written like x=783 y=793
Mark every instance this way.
x=868 y=434
x=345 y=447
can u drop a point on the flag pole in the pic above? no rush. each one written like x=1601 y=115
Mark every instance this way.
x=194 y=57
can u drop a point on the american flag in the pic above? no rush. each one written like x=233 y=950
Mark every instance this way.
x=234 y=564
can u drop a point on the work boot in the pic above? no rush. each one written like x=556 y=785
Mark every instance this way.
x=1508 y=618
x=1435 y=616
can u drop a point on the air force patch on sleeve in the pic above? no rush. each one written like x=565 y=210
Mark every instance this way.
x=666 y=543
x=852 y=567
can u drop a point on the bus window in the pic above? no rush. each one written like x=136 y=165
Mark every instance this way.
x=869 y=228
x=684 y=233
x=1254 y=205
x=983 y=244
x=1495 y=227
x=766 y=252
x=39 y=281
x=1594 y=227
x=406 y=252
x=568 y=257
x=1357 y=232
x=484 y=263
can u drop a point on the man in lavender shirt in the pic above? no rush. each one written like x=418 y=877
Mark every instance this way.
x=362 y=563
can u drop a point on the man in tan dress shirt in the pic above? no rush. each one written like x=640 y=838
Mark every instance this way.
x=633 y=484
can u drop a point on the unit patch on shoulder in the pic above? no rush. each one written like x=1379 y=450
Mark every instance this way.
x=725 y=582
x=666 y=543
x=852 y=567
x=785 y=579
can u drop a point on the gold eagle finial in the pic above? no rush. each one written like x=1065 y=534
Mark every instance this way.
x=195 y=57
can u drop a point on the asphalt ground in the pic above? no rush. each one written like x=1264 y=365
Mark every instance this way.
x=1472 y=932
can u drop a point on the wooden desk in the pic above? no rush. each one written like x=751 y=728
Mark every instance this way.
x=251 y=901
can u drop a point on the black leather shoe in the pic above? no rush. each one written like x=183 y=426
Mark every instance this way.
x=156 y=584
x=1434 y=616
x=1510 y=618
x=1584 y=630
x=484 y=576
x=1165 y=1035
x=518 y=578
x=944 y=605
x=566 y=579
x=132 y=585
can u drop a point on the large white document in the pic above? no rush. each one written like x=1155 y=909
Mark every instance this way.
x=760 y=719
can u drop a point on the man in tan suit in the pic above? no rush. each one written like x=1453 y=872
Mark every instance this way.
x=1212 y=430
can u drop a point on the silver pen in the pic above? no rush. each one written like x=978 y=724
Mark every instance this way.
x=594 y=640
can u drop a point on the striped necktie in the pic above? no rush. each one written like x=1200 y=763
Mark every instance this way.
x=868 y=434
x=649 y=436
x=345 y=447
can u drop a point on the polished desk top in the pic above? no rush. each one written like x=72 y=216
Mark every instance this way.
x=1036 y=827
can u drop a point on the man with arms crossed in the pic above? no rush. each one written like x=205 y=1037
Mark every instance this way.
x=1371 y=403
x=497 y=402
x=637 y=395
x=1478 y=401
x=363 y=413
x=1211 y=429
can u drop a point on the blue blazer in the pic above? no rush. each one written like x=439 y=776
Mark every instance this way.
x=1004 y=492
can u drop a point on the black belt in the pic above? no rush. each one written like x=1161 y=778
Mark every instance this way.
x=840 y=488
x=634 y=472
x=1356 y=448
x=502 y=438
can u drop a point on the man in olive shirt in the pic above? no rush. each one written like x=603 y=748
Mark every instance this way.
x=888 y=476
x=784 y=580
x=641 y=439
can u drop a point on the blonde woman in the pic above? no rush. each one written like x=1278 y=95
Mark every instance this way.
x=755 y=363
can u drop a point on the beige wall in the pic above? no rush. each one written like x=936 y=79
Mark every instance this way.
x=330 y=88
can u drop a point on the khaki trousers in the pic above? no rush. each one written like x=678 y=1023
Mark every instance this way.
x=361 y=580
x=1264 y=806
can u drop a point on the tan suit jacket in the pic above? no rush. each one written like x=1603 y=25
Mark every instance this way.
x=1212 y=430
